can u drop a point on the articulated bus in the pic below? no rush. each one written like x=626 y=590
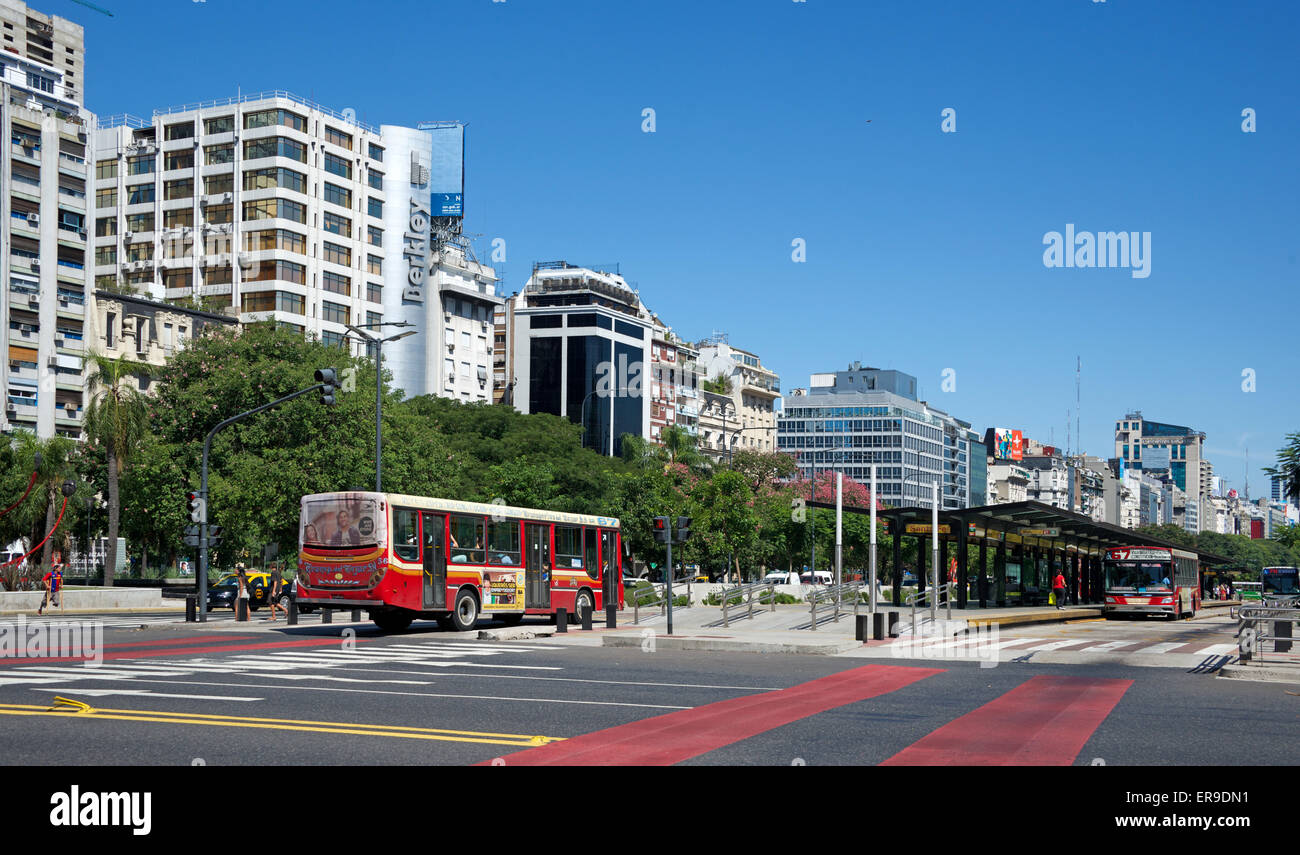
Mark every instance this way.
x=1152 y=580
x=1281 y=584
x=407 y=557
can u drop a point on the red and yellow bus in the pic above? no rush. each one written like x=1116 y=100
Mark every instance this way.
x=1152 y=580
x=407 y=557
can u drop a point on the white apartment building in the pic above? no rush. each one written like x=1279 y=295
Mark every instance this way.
x=43 y=207
x=1008 y=482
x=754 y=392
x=274 y=209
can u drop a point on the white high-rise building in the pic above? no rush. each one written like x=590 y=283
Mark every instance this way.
x=271 y=208
x=44 y=214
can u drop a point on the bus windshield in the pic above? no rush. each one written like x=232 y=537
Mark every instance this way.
x=342 y=520
x=1280 y=580
x=1137 y=575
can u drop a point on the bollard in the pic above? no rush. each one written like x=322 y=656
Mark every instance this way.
x=327 y=616
x=585 y=618
x=561 y=620
x=293 y=611
x=191 y=609
x=356 y=615
x=878 y=626
x=860 y=628
x=611 y=617
x=241 y=609
x=1281 y=636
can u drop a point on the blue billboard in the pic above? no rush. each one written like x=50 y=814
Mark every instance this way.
x=447 y=169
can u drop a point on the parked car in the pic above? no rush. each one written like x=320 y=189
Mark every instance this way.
x=822 y=577
x=224 y=593
x=290 y=592
x=782 y=577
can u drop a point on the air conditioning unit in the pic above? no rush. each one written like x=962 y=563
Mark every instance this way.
x=58 y=341
x=33 y=218
x=25 y=329
x=13 y=365
x=11 y=407
x=127 y=235
x=36 y=264
x=53 y=362
x=33 y=300
x=446 y=316
x=203 y=203
x=450 y=347
x=227 y=198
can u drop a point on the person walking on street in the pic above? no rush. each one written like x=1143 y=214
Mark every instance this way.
x=1058 y=589
x=277 y=585
x=53 y=582
x=241 y=603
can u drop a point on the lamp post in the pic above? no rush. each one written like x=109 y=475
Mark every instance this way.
x=379 y=384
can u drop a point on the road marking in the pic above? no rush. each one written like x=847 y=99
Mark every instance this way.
x=1044 y=721
x=667 y=739
x=263 y=687
x=1217 y=650
x=1163 y=647
x=207 y=719
x=1107 y=647
x=150 y=693
x=1054 y=645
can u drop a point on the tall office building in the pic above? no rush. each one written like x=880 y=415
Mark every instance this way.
x=848 y=420
x=43 y=206
x=1158 y=449
x=581 y=349
x=274 y=209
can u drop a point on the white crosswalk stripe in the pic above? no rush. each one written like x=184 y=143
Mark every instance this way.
x=1108 y=647
x=1163 y=647
x=1054 y=645
x=1217 y=650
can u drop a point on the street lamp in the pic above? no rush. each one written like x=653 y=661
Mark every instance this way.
x=379 y=384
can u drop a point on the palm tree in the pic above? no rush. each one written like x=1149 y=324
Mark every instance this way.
x=116 y=420
x=680 y=445
x=1288 y=468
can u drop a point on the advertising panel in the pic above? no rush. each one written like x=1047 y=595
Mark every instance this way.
x=1008 y=444
x=1154 y=457
x=447 y=171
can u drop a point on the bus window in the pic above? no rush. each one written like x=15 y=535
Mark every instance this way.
x=406 y=540
x=568 y=547
x=609 y=553
x=467 y=540
x=503 y=542
x=592 y=565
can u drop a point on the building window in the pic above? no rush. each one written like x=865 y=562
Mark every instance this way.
x=177 y=217
x=339 y=166
x=140 y=194
x=375 y=235
x=182 y=189
x=375 y=208
x=219 y=213
x=283 y=209
x=218 y=154
x=269 y=118
x=110 y=327
x=105 y=169
x=332 y=339
x=337 y=195
x=335 y=224
x=141 y=165
x=333 y=312
x=376 y=153
x=106 y=198
x=213 y=184
x=338 y=138
x=139 y=252
x=376 y=179
x=375 y=265
x=336 y=254
x=136 y=223
x=262 y=179
x=105 y=226
x=284 y=271
x=275 y=239
x=106 y=255
x=374 y=292
x=275 y=147
x=336 y=283
x=179 y=159
x=180 y=131
x=179 y=278
x=219 y=125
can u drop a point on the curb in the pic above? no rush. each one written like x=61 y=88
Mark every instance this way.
x=1013 y=620
x=105 y=611
x=731 y=645
x=1262 y=673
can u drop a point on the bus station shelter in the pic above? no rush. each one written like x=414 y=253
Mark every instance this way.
x=1019 y=547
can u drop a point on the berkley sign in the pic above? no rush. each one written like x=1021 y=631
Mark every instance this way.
x=415 y=249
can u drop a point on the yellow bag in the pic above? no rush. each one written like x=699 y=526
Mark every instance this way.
x=1051 y=598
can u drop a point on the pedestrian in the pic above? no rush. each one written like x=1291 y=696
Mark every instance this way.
x=277 y=585
x=241 y=601
x=1058 y=589
x=53 y=582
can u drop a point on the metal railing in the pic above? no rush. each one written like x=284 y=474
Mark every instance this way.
x=748 y=595
x=1253 y=628
x=647 y=597
x=918 y=596
x=832 y=599
x=264 y=96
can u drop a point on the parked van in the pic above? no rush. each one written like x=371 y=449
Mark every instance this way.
x=823 y=577
x=781 y=577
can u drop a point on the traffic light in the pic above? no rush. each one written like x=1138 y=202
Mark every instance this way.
x=328 y=379
x=683 y=529
x=191 y=535
x=214 y=536
x=663 y=530
x=198 y=507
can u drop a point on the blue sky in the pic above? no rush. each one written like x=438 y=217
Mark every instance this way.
x=924 y=248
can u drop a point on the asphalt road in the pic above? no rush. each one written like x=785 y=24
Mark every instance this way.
x=167 y=694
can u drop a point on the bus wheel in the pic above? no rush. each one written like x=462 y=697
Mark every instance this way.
x=583 y=600
x=392 y=621
x=465 y=615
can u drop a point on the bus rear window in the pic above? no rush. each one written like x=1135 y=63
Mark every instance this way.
x=341 y=521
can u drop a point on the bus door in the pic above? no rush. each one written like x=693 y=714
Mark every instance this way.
x=435 y=561
x=610 y=581
x=537 y=566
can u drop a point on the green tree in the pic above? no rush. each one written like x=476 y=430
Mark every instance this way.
x=116 y=421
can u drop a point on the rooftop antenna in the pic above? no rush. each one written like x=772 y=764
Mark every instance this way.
x=1078 y=425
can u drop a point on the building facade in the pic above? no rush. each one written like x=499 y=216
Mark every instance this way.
x=43 y=206
x=674 y=384
x=1159 y=449
x=754 y=393
x=146 y=331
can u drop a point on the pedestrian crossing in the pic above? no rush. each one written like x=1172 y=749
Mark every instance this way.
x=387 y=664
x=1089 y=646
